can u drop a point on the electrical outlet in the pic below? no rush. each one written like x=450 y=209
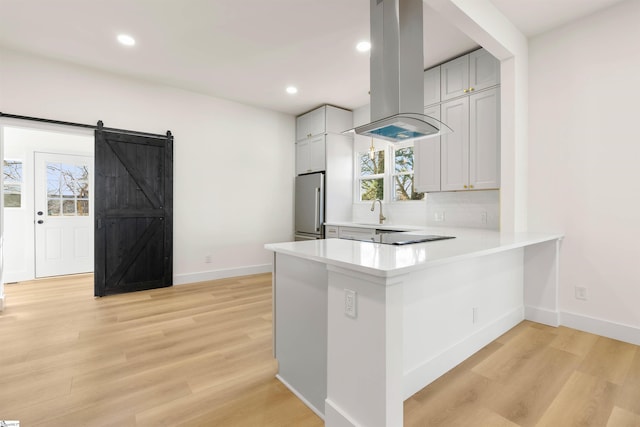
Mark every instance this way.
x=208 y=259
x=438 y=216
x=581 y=293
x=350 y=303
x=483 y=217
x=475 y=311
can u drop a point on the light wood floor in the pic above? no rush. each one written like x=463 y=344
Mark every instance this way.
x=200 y=355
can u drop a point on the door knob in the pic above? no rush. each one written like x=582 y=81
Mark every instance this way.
x=40 y=221
x=40 y=213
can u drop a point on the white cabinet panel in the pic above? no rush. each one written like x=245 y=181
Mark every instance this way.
x=454 y=78
x=470 y=73
x=427 y=159
x=310 y=155
x=455 y=145
x=432 y=86
x=484 y=70
x=484 y=139
x=310 y=124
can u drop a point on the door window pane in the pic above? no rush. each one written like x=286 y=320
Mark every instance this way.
x=53 y=207
x=67 y=189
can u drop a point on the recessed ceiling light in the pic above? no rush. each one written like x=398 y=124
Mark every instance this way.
x=292 y=90
x=363 y=46
x=126 y=40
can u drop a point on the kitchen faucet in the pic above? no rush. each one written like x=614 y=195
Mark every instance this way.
x=382 y=217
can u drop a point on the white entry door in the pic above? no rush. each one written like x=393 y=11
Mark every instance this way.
x=63 y=214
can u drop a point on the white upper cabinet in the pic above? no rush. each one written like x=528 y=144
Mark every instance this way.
x=310 y=155
x=484 y=70
x=426 y=159
x=484 y=139
x=325 y=119
x=471 y=153
x=432 y=86
x=455 y=145
x=454 y=78
x=469 y=73
x=310 y=124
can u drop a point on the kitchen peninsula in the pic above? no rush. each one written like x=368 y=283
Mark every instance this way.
x=359 y=326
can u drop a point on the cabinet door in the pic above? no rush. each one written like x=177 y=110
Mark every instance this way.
x=302 y=157
x=426 y=159
x=432 y=86
x=484 y=139
x=317 y=154
x=454 y=78
x=484 y=70
x=310 y=124
x=455 y=145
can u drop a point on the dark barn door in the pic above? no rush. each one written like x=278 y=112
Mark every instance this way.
x=133 y=212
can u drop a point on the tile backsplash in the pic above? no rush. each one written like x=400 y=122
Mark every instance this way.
x=476 y=209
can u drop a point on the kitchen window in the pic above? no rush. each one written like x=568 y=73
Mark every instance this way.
x=12 y=183
x=371 y=177
x=392 y=182
x=403 y=174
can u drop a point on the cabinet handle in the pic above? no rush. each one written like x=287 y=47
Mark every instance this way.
x=471 y=186
x=471 y=89
x=465 y=186
x=466 y=90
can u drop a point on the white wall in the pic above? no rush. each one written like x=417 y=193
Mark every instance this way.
x=584 y=156
x=233 y=163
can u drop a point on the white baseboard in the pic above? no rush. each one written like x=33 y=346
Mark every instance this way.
x=300 y=396
x=419 y=377
x=1 y=302
x=605 y=328
x=203 y=276
x=542 y=315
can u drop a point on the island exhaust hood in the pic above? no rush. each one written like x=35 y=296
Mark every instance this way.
x=396 y=70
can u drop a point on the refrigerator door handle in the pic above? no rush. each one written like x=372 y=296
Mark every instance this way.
x=317 y=210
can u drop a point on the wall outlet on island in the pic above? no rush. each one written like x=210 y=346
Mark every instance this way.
x=581 y=293
x=483 y=217
x=208 y=259
x=350 y=303
x=438 y=216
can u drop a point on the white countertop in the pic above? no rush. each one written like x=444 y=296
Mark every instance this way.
x=390 y=260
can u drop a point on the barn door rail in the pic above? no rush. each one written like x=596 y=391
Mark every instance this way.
x=99 y=126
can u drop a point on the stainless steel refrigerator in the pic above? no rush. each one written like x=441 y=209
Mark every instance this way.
x=309 y=199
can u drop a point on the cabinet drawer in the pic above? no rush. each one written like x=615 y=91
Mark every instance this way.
x=331 y=232
x=355 y=232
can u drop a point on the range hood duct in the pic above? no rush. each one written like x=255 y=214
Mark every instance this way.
x=396 y=70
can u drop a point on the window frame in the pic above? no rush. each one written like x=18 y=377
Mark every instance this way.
x=20 y=183
x=388 y=176
x=393 y=173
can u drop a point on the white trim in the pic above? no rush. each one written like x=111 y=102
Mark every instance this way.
x=336 y=417
x=542 y=315
x=203 y=276
x=605 y=328
x=1 y=302
x=424 y=374
x=300 y=396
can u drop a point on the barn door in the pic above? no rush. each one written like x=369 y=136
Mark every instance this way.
x=133 y=212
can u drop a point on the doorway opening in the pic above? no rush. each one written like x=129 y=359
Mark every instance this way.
x=48 y=202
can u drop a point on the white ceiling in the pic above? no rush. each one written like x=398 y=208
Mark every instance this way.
x=244 y=50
